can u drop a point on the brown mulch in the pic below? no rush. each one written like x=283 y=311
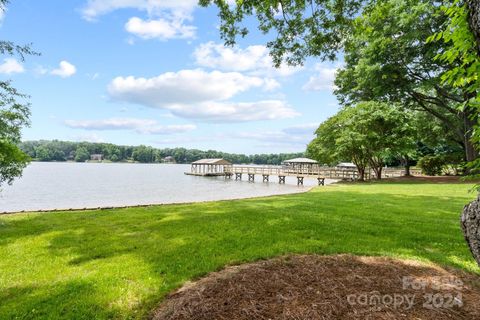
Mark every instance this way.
x=327 y=287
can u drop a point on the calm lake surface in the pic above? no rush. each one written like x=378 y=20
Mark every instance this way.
x=59 y=185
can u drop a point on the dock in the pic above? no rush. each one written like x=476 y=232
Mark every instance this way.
x=210 y=168
x=300 y=168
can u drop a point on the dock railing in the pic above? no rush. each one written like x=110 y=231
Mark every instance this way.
x=318 y=171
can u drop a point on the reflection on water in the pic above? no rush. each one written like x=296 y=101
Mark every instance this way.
x=86 y=185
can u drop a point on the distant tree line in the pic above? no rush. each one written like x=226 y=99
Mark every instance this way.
x=55 y=150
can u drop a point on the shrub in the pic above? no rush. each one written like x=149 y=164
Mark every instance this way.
x=431 y=165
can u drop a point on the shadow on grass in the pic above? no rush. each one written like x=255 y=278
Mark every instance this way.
x=172 y=244
x=74 y=299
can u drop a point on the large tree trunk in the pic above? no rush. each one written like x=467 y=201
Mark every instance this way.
x=470 y=120
x=405 y=162
x=407 y=171
x=378 y=172
x=474 y=20
x=470 y=222
x=377 y=165
x=361 y=174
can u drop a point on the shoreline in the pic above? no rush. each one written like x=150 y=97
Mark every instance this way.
x=101 y=208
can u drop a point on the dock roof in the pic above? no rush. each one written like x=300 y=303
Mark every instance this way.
x=212 y=161
x=346 y=164
x=300 y=160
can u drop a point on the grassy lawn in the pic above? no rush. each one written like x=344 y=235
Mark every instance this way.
x=120 y=263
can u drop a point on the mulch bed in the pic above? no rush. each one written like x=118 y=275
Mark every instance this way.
x=327 y=287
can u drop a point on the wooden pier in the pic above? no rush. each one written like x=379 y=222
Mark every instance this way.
x=314 y=172
x=281 y=172
x=299 y=168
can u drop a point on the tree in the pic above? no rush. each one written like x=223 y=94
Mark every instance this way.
x=43 y=153
x=306 y=28
x=463 y=35
x=387 y=132
x=14 y=115
x=386 y=58
x=366 y=134
x=474 y=21
x=335 y=143
x=143 y=154
x=301 y=28
x=82 y=154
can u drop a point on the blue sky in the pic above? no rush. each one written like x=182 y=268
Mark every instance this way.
x=155 y=72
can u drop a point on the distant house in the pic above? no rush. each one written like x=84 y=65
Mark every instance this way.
x=346 y=165
x=169 y=159
x=96 y=157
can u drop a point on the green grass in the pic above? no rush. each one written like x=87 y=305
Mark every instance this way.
x=120 y=263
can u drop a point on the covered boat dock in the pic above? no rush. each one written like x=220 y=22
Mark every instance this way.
x=301 y=166
x=210 y=168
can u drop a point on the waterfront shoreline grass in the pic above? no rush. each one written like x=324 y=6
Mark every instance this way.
x=120 y=263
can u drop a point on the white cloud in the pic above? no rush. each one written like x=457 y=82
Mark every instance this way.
x=307 y=128
x=96 y=8
x=235 y=111
x=167 y=19
x=299 y=135
x=110 y=124
x=94 y=76
x=162 y=29
x=254 y=59
x=64 y=70
x=178 y=140
x=271 y=84
x=143 y=126
x=202 y=95
x=93 y=137
x=323 y=80
x=168 y=129
x=10 y=66
x=182 y=87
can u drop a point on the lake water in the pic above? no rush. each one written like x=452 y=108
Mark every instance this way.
x=59 y=185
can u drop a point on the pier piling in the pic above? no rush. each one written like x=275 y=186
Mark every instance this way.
x=299 y=181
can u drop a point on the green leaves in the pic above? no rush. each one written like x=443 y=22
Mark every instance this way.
x=300 y=28
x=366 y=134
x=14 y=115
x=12 y=161
x=461 y=51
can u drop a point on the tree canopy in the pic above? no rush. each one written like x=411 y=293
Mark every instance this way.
x=301 y=28
x=367 y=134
x=387 y=58
x=14 y=115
